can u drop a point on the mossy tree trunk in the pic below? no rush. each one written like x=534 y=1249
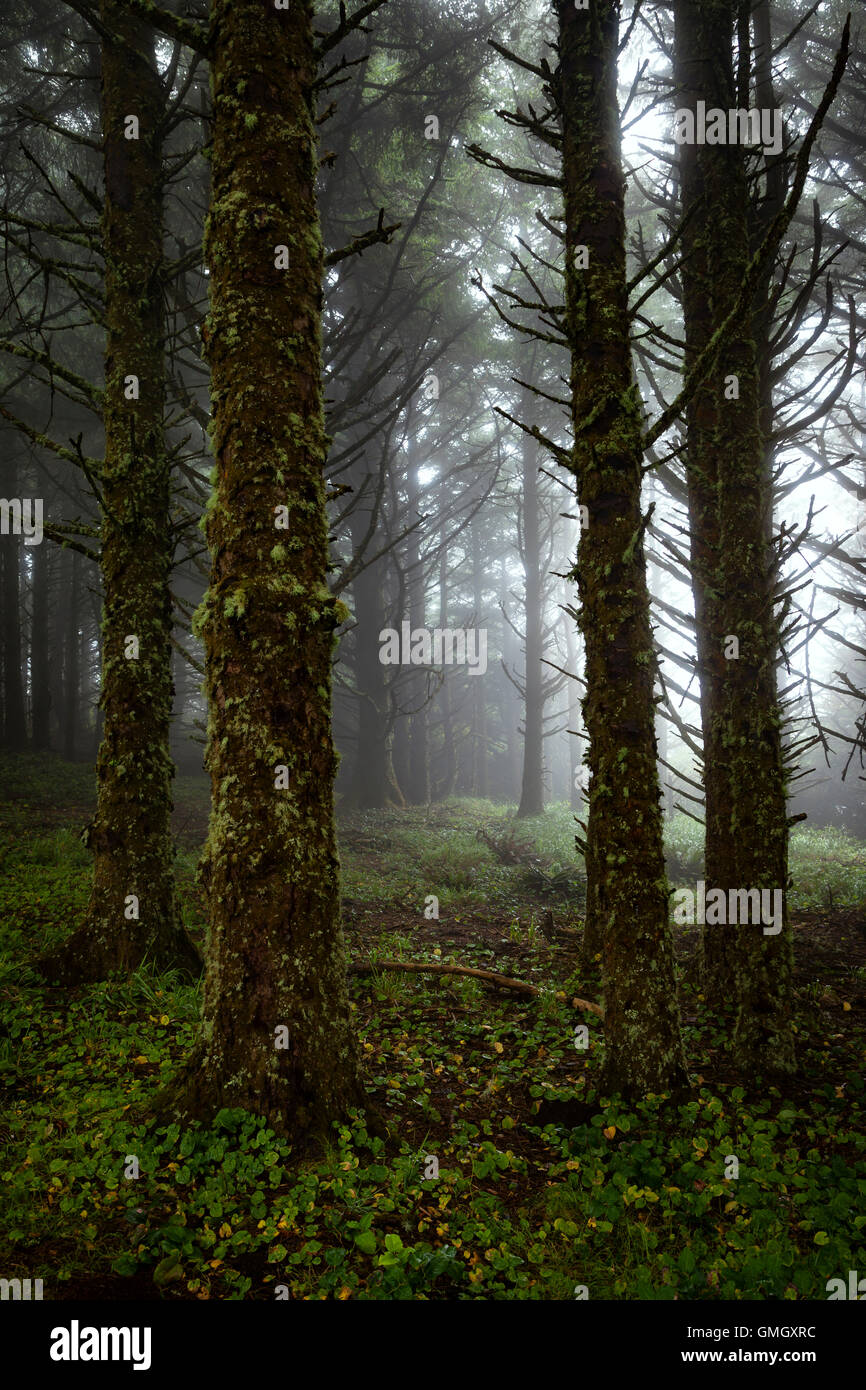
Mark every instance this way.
x=708 y=181
x=627 y=888
x=133 y=913
x=276 y=1034
x=738 y=631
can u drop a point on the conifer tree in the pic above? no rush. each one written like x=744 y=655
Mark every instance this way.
x=628 y=887
x=133 y=913
x=276 y=1034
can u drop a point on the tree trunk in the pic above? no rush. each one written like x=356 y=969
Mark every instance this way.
x=40 y=652
x=509 y=707
x=14 y=719
x=370 y=782
x=417 y=780
x=706 y=177
x=737 y=627
x=449 y=752
x=133 y=913
x=276 y=1036
x=477 y=683
x=62 y=568
x=70 y=713
x=532 y=782
x=628 y=892
x=575 y=743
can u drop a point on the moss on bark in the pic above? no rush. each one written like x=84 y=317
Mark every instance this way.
x=746 y=972
x=275 y=958
x=130 y=835
x=627 y=895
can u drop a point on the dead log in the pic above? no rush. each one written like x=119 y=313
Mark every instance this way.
x=491 y=977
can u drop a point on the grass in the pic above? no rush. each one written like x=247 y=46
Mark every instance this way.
x=542 y=1185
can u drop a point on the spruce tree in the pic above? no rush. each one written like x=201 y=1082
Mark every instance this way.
x=133 y=913
x=276 y=1035
x=625 y=864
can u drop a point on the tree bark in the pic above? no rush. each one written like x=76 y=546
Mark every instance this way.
x=417 y=780
x=133 y=912
x=40 y=659
x=532 y=781
x=449 y=752
x=575 y=743
x=744 y=773
x=70 y=710
x=706 y=175
x=628 y=892
x=276 y=1034
x=13 y=732
x=370 y=780
x=478 y=694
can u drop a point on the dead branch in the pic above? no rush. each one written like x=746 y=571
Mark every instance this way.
x=492 y=977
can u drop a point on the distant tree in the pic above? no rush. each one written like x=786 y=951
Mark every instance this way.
x=627 y=894
x=133 y=913
x=13 y=721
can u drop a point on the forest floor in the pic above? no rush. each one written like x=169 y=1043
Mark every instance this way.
x=543 y=1189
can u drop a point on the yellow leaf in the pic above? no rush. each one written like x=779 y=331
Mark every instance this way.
x=139 y=1059
x=344 y=1293
x=609 y=1132
x=497 y=1047
x=846 y=1007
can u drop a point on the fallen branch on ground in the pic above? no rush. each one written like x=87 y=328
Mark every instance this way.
x=492 y=977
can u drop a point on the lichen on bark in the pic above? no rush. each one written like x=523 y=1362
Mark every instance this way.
x=627 y=892
x=275 y=955
x=746 y=973
x=130 y=834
